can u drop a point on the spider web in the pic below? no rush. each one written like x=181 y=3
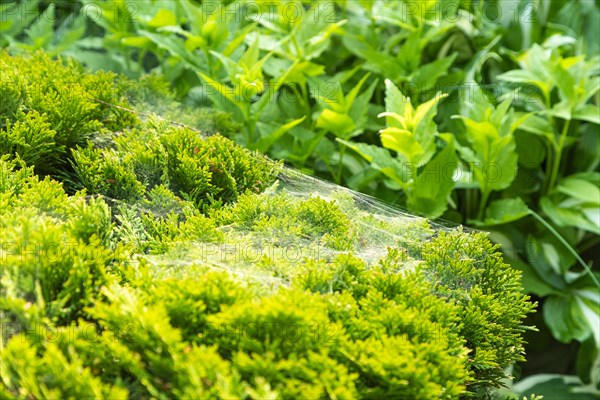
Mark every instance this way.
x=269 y=261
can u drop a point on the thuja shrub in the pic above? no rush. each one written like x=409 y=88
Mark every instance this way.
x=53 y=256
x=54 y=114
x=186 y=267
x=336 y=327
x=202 y=170
x=48 y=107
x=283 y=219
x=470 y=270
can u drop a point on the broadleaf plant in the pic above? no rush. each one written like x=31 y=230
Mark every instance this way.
x=491 y=152
x=411 y=133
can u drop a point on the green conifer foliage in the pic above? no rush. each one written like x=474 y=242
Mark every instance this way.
x=49 y=107
x=183 y=268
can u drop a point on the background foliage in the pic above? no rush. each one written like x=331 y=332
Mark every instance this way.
x=484 y=113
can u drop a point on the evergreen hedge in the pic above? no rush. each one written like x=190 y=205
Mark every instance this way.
x=132 y=266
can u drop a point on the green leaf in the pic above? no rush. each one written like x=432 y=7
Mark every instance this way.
x=524 y=76
x=533 y=282
x=592 y=86
x=588 y=112
x=175 y=46
x=575 y=202
x=480 y=135
x=588 y=361
x=493 y=156
x=555 y=386
x=565 y=318
x=428 y=193
x=225 y=92
x=382 y=160
x=549 y=259
x=339 y=124
x=41 y=32
x=396 y=102
x=250 y=57
x=69 y=32
x=565 y=81
x=237 y=41
x=351 y=96
x=376 y=61
x=163 y=17
x=411 y=49
x=359 y=110
x=580 y=189
x=137 y=41
x=318 y=43
x=194 y=42
x=403 y=142
x=410 y=132
x=271 y=133
x=425 y=129
x=233 y=69
x=299 y=72
x=538 y=126
x=14 y=26
x=588 y=300
x=426 y=75
x=504 y=211
x=530 y=148
x=575 y=315
x=555 y=41
x=473 y=68
x=562 y=109
x=5 y=25
x=564 y=216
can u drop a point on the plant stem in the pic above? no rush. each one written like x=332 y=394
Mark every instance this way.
x=556 y=164
x=303 y=99
x=312 y=145
x=128 y=54
x=485 y=194
x=250 y=124
x=550 y=147
x=296 y=46
x=567 y=245
x=306 y=100
x=471 y=204
x=340 y=165
x=549 y=107
x=141 y=55
x=208 y=61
